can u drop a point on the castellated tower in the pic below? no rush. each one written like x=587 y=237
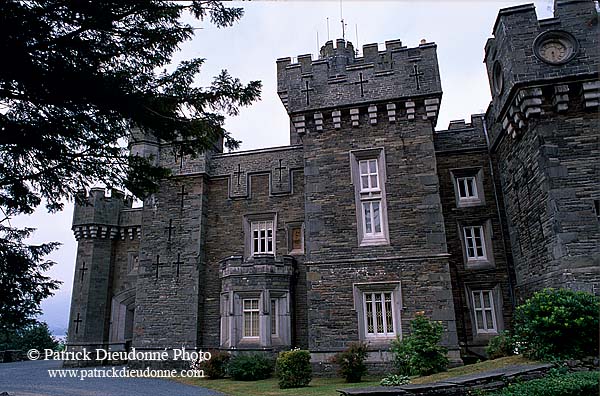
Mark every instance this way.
x=543 y=128
x=108 y=232
x=373 y=217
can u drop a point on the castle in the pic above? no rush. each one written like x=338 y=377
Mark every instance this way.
x=369 y=216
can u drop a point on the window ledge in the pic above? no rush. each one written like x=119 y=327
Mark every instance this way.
x=484 y=337
x=249 y=341
x=479 y=264
x=374 y=241
x=379 y=342
x=465 y=203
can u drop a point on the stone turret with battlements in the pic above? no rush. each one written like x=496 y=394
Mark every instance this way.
x=107 y=230
x=395 y=83
x=543 y=128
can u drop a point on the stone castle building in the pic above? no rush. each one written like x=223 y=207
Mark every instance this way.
x=369 y=216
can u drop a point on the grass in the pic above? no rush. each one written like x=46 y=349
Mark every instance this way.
x=328 y=386
x=270 y=387
x=473 y=368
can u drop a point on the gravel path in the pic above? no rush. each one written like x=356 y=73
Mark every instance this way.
x=31 y=378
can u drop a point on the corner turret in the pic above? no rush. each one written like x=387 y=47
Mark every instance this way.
x=526 y=54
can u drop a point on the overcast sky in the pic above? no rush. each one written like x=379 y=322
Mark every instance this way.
x=277 y=29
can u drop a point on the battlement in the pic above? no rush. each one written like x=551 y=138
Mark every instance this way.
x=339 y=78
x=100 y=208
x=462 y=136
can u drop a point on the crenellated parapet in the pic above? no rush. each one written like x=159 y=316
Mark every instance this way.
x=106 y=217
x=397 y=76
x=170 y=155
x=462 y=136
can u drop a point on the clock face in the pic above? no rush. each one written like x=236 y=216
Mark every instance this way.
x=555 y=47
x=554 y=51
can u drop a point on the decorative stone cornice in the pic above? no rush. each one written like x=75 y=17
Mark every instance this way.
x=100 y=231
x=591 y=94
x=527 y=103
x=263 y=264
x=367 y=114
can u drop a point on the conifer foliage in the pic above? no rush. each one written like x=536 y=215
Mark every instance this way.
x=77 y=76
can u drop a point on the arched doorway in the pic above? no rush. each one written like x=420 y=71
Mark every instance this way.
x=121 y=320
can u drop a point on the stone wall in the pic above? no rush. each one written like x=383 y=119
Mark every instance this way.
x=170 y=279
x=544 y=132
x=425 y=286
x=227 y=208
x=549 y=192
x=464 y=149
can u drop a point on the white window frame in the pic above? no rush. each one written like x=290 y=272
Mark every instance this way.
x=462 y=175
x=478 y=296
x=371 y=219
x=370 y=195
x=360 y=291
x=465 y=180
x=385 y=309
x=257 y=227
x=369 y=174
x=251 y=311
x=248 y=227
x=473 y=238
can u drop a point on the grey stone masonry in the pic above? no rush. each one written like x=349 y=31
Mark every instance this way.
x=383 y=106
x=369 y=217
x=338 y=79
x=169 y=285
x=278 y=163
x=544 y=140
x=98 y=228
x=462 y=151
x=461 y=136
x=512 y=46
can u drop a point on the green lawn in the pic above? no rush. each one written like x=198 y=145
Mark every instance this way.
x=473 y=368
x=328 y=386
x=269 y=387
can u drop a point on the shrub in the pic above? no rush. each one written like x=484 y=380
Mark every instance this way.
x=294 y=369
x=352 y=361
x=557 y=324
x=584 y=383
x=500 y=346
x=420 y=352
x=33 y=336
x=216 y=366
x=394 y=380
x=250 y=367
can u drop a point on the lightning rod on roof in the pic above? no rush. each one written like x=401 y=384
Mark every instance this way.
x=342 y=21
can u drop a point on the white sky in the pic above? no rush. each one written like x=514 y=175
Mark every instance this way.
x=277 y=29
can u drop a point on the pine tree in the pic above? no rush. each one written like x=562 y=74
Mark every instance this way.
x=77 y=77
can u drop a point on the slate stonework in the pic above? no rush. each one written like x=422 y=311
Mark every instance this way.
x=161 y=276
